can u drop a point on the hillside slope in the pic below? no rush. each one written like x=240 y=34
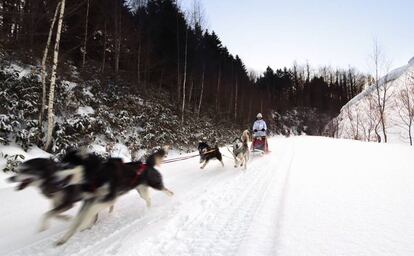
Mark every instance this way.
x=360 y=119
x=310 y=196
x=103 y=113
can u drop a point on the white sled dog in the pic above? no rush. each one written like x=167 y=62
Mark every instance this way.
x=241 y=152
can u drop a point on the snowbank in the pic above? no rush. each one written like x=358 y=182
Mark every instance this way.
x=359 y=116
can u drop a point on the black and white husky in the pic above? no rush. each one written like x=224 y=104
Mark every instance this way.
x=54 y=181
x=90 y=179
x=208 y=153
x=241 y=150
x=117 y=179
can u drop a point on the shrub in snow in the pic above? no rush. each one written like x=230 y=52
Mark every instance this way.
x=18 y=114
x=12 y=161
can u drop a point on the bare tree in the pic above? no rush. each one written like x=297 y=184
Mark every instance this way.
x=353 y=122
x=43 y=66
x=381 y=88
x=197 y=16
x=104 y=49
x=190 y=89
x=118 y=35
x=201 y=91
x=50 y=115
x=372 y=117
x=184 y=77
x=218 y=89
x=405 y=106
x=178 y=60
x=139 y=58
x=236 y=95
x=85 y=37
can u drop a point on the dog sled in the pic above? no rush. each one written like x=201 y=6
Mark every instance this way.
x=260 y=145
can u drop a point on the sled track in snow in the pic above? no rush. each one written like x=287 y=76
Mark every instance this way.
x=210 y=222
x=224 y=216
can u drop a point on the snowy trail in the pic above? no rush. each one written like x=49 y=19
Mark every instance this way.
x=305 y=198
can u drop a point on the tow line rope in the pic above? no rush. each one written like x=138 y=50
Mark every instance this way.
x=178 y=159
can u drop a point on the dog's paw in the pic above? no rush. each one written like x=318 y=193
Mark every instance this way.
x=168 y=192
x=85 y=228
x=60 y=242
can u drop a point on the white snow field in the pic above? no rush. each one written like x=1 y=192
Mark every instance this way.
x=309 y=196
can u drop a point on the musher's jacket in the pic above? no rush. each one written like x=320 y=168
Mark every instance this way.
x=259 y=125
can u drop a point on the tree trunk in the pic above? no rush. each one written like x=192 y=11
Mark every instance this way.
x=178 y=63
x=43 y=66
x=185 y=76
x=117 y=39
x=50 y=117
x=381 y=101
x=250 y=109
x=161 y=81
x=104 y=50
x=409 y=131
x=190 y=94
x=218 y=90
x=236 y=99
x=85 y=39
x=139 y=63
x=201 y=93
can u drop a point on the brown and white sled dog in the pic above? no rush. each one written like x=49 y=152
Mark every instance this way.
x=241 y=152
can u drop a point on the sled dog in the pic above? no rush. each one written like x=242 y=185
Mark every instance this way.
x=241 y=152
x=208 y=153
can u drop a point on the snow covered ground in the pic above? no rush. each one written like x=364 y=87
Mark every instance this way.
x=310 y=196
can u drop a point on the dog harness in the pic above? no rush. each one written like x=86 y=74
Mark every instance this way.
x=139 y=172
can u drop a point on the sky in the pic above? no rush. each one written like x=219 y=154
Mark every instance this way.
x=341 y=34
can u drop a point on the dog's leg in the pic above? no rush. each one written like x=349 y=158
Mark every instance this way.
x=236 y=163
x=222 y=164
x=144 y=193
x=111 y=209
x=88 y=224
x=45 y=221
x=54 y=213
x=204 y=165
x=244 y=163
x=87 y=214
x=167 y=192
x=77 y=222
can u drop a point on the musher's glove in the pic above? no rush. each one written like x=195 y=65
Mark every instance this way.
x=263 y=130
x=255 y=130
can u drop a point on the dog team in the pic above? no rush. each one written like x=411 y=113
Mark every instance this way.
x=97 y=183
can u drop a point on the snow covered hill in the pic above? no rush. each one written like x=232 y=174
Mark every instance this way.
x=310 y=196
x=359 y=119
